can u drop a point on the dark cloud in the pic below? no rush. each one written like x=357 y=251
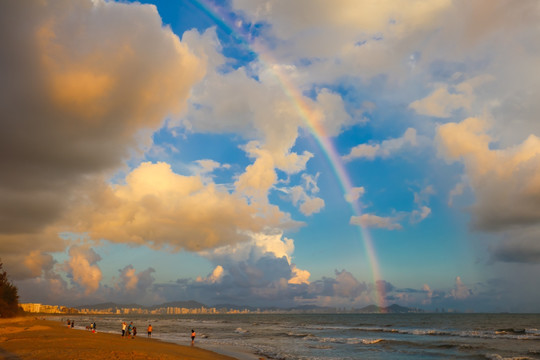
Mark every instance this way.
x=75 y=98
x=519 y=245
x=516 y=253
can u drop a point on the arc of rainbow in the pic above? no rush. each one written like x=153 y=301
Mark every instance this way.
x=319 y=132
x=310 y=118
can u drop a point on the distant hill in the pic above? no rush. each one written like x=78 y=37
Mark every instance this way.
x=392 y=309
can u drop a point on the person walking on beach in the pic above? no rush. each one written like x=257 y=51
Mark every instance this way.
x=130 y=328
x=124 y=325
x=150 y=330
x=72 y=323
x=193 y=336
x=94 y=327
x=134 y=332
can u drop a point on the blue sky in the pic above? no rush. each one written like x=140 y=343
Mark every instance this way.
x=191 y=150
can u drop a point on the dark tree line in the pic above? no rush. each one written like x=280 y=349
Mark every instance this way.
x=9 y=297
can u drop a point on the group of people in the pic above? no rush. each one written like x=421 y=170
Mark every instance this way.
x=91 y=327
x=129 y=330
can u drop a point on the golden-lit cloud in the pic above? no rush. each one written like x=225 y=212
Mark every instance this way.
x=82 y=81
x=159 y=208
x=82 y=268
x=506 y=181
x=299 y=276
x=385 y=149
x=133 y=283
x=350 y=22
x=215 y=276
x=442 y=102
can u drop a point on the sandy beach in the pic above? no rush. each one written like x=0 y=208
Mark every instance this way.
x=31 y=338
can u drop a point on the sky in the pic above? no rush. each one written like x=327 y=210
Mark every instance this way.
x=272 y=153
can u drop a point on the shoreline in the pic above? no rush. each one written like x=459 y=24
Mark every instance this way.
x=33 y=338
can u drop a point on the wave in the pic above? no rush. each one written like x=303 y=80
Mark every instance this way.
x=499 y=357
x=515 y=334
x=371 y=341
x=299 y=335
x=241 y=331
x=350 y=341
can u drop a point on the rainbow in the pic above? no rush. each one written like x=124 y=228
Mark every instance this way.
x=311 y=119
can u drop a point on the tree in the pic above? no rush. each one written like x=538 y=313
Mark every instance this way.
x=9 y=297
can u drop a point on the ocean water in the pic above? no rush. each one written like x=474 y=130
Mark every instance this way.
x=345 y=336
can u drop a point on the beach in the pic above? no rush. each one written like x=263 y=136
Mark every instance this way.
x=32 y=338
x=425 y=336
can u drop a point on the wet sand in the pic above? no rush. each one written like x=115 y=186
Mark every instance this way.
x=31 y=338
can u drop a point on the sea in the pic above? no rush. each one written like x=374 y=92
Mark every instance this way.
x=341 y=336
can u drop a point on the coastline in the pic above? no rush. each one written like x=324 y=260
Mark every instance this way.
x=33 y=338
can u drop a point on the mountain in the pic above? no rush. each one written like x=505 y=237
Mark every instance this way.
x=392 y=309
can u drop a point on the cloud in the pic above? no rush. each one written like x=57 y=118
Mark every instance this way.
x=257 y=109
x=518 y=245
x=369 y=38
x=82 y=269
x=419 y=215
x=421 y=199
x=347 y=286
x=77 y=97
x=369 y=220
x=331 y=29
x=132 y=283
x=37 y=261
x=460 y=290
x=311 y=206
x=456 y=191
x=206 y=166
x=355 y=194
x=374 y=221
x=299 y=276
x=385 y=149
x=335 y=117
x=441 y=103
x=423 y=195
x=344 y=291
x=303 y=195
x=215 y=276
x=505 y=181
x=259 y=272
x=159 y=208
x=518 y=253
x=250 y=101
x=429 y=294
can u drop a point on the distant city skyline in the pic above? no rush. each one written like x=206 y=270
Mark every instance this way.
x=272 y=153
x=162 y=309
